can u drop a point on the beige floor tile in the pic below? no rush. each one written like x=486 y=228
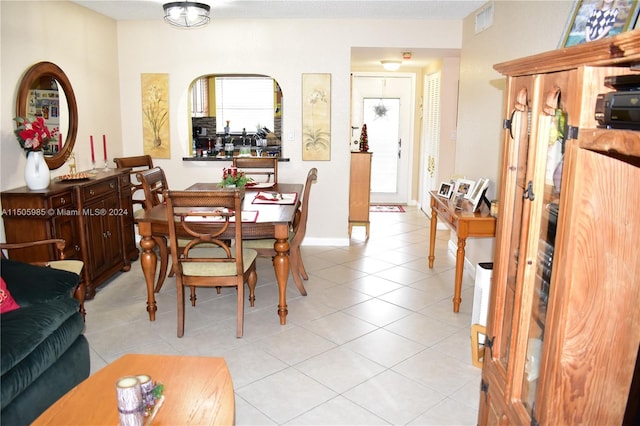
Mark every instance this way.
x=374 y=342
x=338 y=411
x=285 y=395
x=384 y=347
x=394 y=397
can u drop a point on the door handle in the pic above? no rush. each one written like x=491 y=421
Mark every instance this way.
x=399 y=148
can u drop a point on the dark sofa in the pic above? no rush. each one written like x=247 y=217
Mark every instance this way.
x=44 y=353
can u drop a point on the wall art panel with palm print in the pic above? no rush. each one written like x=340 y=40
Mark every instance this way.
x=316 y=117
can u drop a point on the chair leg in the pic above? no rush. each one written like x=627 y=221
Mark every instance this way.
x=161 y=242
x=180 y=297
x=240 y=319
x=79 y=295
x=193 y=297
x=303 y=272
x=295 y=261
x=251 y=281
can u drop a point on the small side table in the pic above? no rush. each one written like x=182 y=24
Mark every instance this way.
x=464 y=223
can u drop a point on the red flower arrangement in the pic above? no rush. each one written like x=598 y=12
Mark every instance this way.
x=34 y=135
x=233 y=176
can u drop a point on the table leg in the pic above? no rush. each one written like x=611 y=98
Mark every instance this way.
x=459 y=270
x=432 y=237
x=281 y=267
x=148 y=261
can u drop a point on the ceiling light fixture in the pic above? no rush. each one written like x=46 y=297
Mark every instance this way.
x=391 y=65
x=186 y=14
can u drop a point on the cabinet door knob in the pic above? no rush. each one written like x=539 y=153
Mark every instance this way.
x=63 y=201
x=77 y=247
x=111 y=185
x=92 y=192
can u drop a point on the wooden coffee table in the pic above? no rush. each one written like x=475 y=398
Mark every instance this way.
x=197 y=390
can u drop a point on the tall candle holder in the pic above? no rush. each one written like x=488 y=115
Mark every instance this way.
x=106 y=165
x=93 y=168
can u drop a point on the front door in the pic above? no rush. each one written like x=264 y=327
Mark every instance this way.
x=384 y=102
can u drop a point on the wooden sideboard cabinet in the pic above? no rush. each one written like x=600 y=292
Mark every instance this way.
x=359 y=190
x=564 y=326
x=93 y=216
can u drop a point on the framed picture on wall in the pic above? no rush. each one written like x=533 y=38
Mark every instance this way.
x=597 y=19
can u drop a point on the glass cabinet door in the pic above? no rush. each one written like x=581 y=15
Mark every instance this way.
x=519 y=148
x=551 y=138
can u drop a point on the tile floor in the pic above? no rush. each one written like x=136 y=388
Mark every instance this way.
x=374 y=342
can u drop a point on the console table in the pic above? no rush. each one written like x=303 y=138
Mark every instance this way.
x=465 y=223
x=93 y=216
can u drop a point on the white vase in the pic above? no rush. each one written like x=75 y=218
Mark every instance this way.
x=36 y=172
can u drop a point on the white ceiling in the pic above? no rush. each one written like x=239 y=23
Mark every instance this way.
x=311 y=9
x=299 y=9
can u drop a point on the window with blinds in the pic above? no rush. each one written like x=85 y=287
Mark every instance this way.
x=432 y=123
x=246 y=102
x=200 y=98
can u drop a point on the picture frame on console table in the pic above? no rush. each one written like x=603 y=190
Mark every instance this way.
x=464 y=187
x=478 y=193
x=445 y=190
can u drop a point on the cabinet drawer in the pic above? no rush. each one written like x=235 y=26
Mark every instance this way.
x=445 y=215
x=125 y=180
x=64 y=199
x=99 y=189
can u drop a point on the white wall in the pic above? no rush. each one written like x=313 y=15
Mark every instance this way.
x=104 y=60
x=284 y=50
x=520 y=28
x=83 y=45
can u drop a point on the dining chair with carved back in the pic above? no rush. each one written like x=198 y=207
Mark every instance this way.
x=206 y=216
x=153 y=183
x=267 y=167
x=265 y=247
x=69 y=265
x=136 y=164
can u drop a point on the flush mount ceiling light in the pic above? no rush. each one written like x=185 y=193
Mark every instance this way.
x=391 y=65
x=186 y=14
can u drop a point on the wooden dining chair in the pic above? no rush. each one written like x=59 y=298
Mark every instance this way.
x=206 y=216
x=153 y=183
x=267 y=167
x=136 y=164
x=264 y=247
x=70 y=265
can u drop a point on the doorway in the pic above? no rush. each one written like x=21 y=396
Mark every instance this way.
x=385 y=103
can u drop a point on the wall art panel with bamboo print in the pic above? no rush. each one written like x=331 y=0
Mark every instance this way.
x=155 y=115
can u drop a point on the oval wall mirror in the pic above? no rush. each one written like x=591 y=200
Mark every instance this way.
x=46 y=91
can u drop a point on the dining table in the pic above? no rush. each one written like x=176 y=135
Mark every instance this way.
x=271 y=220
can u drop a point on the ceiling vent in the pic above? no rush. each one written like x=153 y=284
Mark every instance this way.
x=484 y=17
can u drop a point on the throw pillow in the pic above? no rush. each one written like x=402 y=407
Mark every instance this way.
x=7 y=303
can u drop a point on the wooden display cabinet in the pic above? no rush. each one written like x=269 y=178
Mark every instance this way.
x=359 y=190
x=564 y=326
x=93 y=216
